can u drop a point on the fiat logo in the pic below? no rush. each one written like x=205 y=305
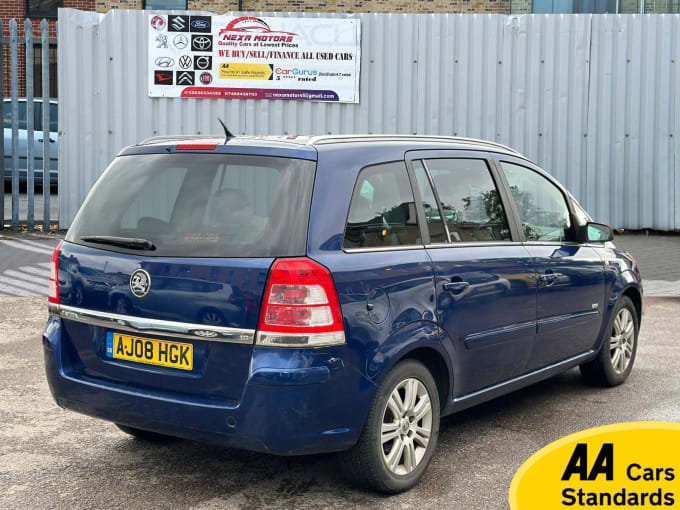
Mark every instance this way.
x=140 y=283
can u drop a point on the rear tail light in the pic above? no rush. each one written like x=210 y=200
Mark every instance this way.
x=53 y=295
x=300 y=306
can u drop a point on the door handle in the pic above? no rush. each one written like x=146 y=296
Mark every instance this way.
x=41 y=140
x=456 y=287
x=550 y=278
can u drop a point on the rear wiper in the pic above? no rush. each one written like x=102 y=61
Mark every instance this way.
x=124 y=242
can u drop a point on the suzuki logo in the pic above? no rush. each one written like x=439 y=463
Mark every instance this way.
x=140 y=283
x=178 y=23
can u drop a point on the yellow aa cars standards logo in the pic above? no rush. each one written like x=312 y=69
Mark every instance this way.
x=246 y=71
x=629 y=465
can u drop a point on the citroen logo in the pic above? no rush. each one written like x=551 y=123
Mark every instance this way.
x=140 y=283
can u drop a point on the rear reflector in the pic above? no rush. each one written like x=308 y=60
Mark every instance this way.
x=300 y=307
x=195 y=147
x=53 y=294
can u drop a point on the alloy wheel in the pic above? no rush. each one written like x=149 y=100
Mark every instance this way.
x=406 y=426
x=622 y=341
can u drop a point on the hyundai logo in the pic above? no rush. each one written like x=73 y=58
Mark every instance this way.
x=164 y=62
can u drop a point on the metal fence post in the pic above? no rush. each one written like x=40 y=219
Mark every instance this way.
x=45 y=52
x=2 y=116
x=13 y=66
x=30 y=128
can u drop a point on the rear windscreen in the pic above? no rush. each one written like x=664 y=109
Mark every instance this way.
x=201 y=205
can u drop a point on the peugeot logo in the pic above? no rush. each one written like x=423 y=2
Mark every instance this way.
x=140 y=283
x=165 y=62
x=201 y=43
x=180 y=41
x=185 y=61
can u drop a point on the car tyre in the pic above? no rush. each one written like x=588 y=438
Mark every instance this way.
x=144 y=435
x=615 y=360
x=391 y=424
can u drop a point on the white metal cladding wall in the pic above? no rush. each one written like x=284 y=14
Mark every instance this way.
x=591 y=98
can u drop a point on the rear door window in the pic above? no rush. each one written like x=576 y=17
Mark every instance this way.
x=433 y=218
x=202 y=205
x=382 y=212
x=471 y=204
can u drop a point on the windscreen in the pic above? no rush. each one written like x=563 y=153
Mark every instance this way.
x=201 y=205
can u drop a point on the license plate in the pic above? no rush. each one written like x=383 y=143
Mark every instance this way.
x=150 y=351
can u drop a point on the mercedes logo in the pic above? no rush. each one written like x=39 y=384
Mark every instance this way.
x=201 y=43
x=185 y=61
x=140 y=283
x=180 y=41
x=165 y=62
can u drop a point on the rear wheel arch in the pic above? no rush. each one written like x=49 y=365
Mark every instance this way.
x=434 y=361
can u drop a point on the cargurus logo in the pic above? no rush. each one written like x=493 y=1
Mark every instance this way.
x=296 y=72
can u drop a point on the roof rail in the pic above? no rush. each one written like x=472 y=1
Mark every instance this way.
x=173 y=138
x=327 y=139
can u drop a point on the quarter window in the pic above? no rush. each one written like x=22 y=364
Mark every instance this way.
x=541 y=205
x=470 y=200
x=433 y=218
x=382 y=212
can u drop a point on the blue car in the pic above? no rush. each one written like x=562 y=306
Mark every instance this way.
x=296 y=295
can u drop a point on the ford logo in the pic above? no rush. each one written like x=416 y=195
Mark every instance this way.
x=200 y=23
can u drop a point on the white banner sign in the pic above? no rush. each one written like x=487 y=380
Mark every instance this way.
x=312 y=59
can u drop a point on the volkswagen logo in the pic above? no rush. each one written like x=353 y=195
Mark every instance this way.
x=165 y=62
x=185 y=61
x=140 y=283
x=180 y=41
x=201 y=43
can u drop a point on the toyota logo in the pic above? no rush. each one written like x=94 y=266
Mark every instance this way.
x=140 y=283
x=201 y=43
x=180 y=41
x=165 y=62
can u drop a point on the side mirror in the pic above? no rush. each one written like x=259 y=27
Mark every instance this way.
x=597 y=233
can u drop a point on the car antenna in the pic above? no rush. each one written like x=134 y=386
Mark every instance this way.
x=227 y=134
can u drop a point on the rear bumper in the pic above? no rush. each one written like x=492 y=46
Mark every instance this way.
x=284 y=411
x=37 y=176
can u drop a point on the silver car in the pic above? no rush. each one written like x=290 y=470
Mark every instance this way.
x=38 y=140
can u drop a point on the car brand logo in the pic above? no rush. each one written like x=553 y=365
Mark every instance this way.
x=180 y=41
x=205 y=333
x=158 y=22
x=201 y=42
x=161 y=41
x=206 y=78
x=185 y=78
x=185 y=62
x=164 y=62
x=203 y=62
x=200 y=24
x=162 y=77
x=140 y=283
x=178 y=23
